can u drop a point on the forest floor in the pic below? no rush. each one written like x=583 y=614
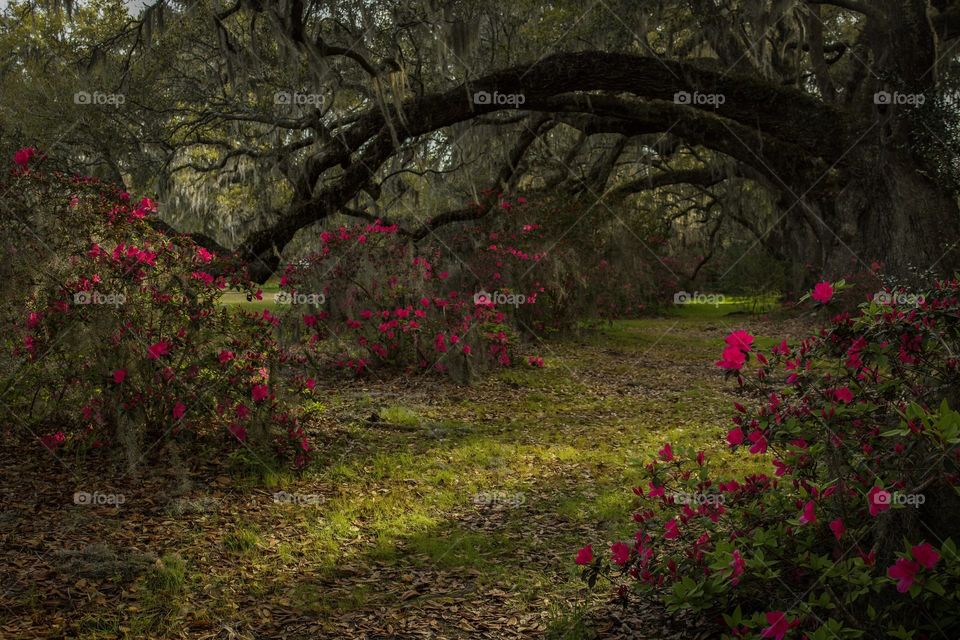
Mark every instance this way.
x=432 y=511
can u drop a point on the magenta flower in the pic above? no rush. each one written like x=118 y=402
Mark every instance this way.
x=621 y=553
x=655 y=491
x=809 y=515
x=879 y=500
x=737 y=566
x=259 y=392
x=779 y=625
x=843 y=394
x=238 y=432
x=740 y=339
x=178 y=410
x=735 y=436
x=119 y=375
x=904 y=572
x=925 y=555
x=672 y=530
x=22 y=157
x=759 y=442
x=585 y=555
x=732 y=359
x=666 y=454
x=837 y=527
x=158 y=349
x=822 y=292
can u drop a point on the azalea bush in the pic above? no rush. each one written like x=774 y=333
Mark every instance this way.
x=849 y=533
x=371 y=298
x=116 y=336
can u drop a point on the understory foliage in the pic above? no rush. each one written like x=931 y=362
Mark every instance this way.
x=848 y=536
x=113 y=329
x=461 y=303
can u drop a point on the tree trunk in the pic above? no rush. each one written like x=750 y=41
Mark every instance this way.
x=887 y=212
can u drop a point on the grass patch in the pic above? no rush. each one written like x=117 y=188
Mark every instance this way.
x=243 y=540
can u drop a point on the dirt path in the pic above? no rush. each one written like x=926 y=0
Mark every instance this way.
x=435 y=511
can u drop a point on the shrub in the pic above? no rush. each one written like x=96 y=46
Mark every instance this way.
x=116 y=331
x=849 y=536
x=375 y=300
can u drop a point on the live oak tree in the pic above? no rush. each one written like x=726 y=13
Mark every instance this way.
x=292 y=112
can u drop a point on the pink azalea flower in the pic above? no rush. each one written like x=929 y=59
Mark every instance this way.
x=735 y=436
x=904 y=572
x=837 y=527
x=259 y=392
x=878 y=500
x=666 y=454
x=809 y=515
x=158 y=349
x=672 y=530
x=585 y=555
x=779 y=625
x=225 y=356
x=178 y=410
x=311 y=383
x=204 y=255
x=737 y=566
x=822 y=292
x=759 y=442
x=732 y=359
x=655 y=491
x=22 y=157
x=740 y=339
x=119 y=375
x=843 y=394
x=925 y=555
x=53 y=441
x=238 y=432
x=621 y=553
